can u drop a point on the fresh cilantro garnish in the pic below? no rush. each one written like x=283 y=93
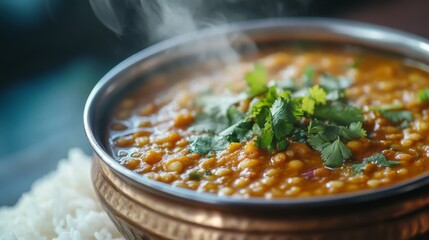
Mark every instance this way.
x=208 y=173
x=339 y=113
x=316 y=96
x=423 y=95
x=328 y=140
x=261 y=108
x=283 y=118
x=308 y=105
x=299 y=135
x=318 y=141
x=387 y=107
x=217 y=105
x=377 y=159
x=208 y=123
x=257 y=80
x=277 y=116
x=217 y=114
x=332 y=132
x=335 y=153
x=239 y=132
x=265 y=139
x=394 y=114
x=353 y=131
x=275 y=120
x=203 y=144
x=401 y=118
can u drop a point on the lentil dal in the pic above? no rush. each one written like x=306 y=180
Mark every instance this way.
x=149 y=134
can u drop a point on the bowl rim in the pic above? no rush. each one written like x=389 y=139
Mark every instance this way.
x=352 y=29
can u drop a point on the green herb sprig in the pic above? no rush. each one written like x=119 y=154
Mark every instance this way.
x=278 y=116
x=393 y=113
x=377 y=159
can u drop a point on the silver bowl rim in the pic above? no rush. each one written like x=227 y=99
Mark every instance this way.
x=352 y=29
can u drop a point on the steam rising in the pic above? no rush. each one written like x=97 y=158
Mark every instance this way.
x=167 y=18
x=105 y=13
x=155 y=20
x=150 y=21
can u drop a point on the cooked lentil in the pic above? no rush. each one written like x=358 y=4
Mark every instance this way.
x=151 y=136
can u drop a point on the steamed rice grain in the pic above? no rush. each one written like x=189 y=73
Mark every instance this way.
x=61 y=205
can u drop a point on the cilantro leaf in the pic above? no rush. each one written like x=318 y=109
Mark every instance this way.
x=257 y=80
x=308 y=105
x=217 y=105
x=387 y=107
x=217 y=114
x=339 y=113
x=282 y=118
x=260 y=115
x=314 y=95
x=380 y=160
x=423 y=95
x=256 y=129
x=318 y=94
x=271 y=96
x=377 y=159
x=354 y=131
x=282 y=145
x=234 y=115
x=296 y=110
x=238 y=132
x=315 y=127
x=335 y=153
x=261 y=108
x=331 y=132
x=203 y=144
x=393 y=113
x=265 y=139
x=319 y=135
x=209 y=123
x=318 y=141
x=327 y=139
x=402 y=118
x=358 y=168
x=299 y=135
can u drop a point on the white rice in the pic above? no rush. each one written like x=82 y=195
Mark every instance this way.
x=61 y=205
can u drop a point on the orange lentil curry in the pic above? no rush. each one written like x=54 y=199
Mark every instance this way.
x=289 y=124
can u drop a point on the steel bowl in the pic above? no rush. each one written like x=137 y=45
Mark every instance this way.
x=146 y=209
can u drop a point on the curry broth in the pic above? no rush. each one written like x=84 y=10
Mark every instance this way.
x=149 y=133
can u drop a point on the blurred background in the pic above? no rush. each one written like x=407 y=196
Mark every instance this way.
x=54 y=51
